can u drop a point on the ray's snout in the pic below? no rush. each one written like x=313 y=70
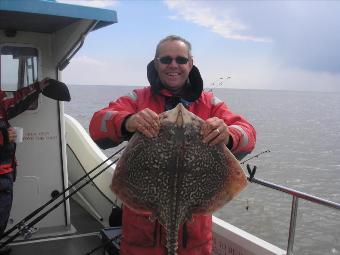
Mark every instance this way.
x=179 y=116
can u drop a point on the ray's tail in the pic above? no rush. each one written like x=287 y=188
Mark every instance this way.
x=172 y=240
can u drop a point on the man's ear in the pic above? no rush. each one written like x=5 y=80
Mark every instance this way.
x=191 y=62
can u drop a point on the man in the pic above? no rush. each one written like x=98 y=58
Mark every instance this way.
x=173 y=79
x=11 y=105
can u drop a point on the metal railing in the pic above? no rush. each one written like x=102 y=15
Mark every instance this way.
x=296 y=196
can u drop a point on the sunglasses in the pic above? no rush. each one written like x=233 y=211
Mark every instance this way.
x=166 y=60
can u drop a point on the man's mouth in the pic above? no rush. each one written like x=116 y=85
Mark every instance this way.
x=173 y=74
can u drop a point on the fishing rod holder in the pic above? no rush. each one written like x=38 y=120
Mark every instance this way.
x=25 y=231
x=251 y=172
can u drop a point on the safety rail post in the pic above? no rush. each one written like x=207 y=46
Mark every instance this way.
x=292 y=225
x=296 y=195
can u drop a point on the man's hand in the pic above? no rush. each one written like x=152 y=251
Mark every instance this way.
x=12 y=135
x=146 y=122
x=215 y=131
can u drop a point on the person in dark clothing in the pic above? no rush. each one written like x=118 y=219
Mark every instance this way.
x=11 y=105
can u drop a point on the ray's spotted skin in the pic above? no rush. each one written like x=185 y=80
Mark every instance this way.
x=175 y=175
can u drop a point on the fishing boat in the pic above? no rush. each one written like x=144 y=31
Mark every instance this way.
x=62 y=200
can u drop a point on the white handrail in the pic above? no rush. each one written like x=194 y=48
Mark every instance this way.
x=296 y=196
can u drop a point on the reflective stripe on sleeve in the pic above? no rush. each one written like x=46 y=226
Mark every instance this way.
x=8 y=95
x=215 y=100
x=132 y=95
x=244 y=138
x=106 y=117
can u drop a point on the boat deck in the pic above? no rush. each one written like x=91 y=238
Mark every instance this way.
x=85 y=238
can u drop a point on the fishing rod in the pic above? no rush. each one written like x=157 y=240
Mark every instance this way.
x=255 y=156
x=33 y=222
x=23 y=221
x=221 y=80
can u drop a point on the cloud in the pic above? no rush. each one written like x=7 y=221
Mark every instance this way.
x=310 y=35
x=208 y=15
x=267 y=74
x=94 y=71
x=86 y=70
x=91 y=3
x=304 y=34
x=245 y=74
x=303 y=54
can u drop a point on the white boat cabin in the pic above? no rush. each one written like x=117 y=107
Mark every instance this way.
x=37 y=40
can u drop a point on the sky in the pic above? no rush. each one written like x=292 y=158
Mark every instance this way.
x=285 y=45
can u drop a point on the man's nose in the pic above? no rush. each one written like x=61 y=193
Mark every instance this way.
x=173 y=62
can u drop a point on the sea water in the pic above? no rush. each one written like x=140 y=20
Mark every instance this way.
x=302 y=132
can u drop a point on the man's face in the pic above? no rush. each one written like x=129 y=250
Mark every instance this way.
x=173 y=74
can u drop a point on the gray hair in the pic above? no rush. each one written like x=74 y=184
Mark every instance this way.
x=173 y=38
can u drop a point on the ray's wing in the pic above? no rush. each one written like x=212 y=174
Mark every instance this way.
x=141 y=179
x=222 y=180
x=212 y=176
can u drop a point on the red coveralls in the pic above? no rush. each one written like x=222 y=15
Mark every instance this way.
x=140 y=235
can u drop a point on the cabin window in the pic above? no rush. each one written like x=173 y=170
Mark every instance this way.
x=19 y=68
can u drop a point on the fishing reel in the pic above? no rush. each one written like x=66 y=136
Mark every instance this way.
x=25 y=231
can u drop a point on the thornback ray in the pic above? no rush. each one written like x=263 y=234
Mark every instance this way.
x=175 y=175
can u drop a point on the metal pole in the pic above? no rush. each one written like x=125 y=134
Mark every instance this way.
x=292 y=226
x=296 y=193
